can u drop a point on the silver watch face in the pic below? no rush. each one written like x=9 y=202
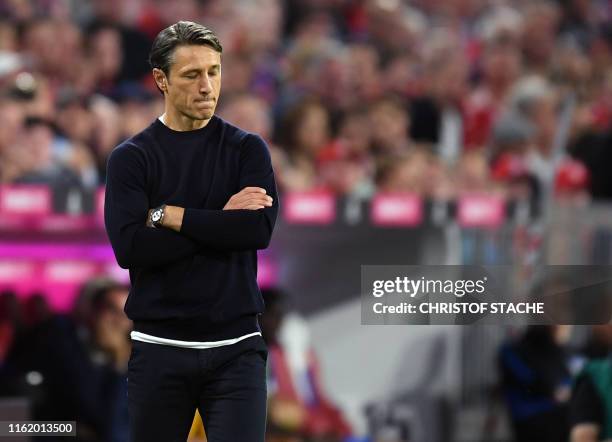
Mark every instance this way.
x=156 y=215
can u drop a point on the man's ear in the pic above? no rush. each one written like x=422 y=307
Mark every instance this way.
x=160 y=79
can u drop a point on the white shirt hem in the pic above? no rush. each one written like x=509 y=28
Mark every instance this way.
x=143 y=337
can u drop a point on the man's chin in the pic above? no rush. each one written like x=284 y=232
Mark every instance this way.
x=206 y=115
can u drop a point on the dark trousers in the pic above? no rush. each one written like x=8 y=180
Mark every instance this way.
x=227 y=384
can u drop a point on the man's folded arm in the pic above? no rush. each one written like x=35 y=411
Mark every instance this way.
x=232 y=230
x=242 y=229
x=126 y=207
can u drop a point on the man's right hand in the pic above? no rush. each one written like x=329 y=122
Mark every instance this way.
x=250 y=198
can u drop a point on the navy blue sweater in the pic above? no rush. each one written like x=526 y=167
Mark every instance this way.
x=199 y=284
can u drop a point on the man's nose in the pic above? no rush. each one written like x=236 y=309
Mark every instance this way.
x=205 y=85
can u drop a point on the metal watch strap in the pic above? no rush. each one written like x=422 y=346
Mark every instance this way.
x=158 y=223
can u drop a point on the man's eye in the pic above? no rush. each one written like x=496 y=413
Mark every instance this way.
x=192 y=76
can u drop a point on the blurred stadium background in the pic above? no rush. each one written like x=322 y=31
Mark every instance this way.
x=401 y=131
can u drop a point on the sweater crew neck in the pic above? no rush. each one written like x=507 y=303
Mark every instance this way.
x=185 y=133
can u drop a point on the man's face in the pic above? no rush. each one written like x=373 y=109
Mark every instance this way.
x=194 y=81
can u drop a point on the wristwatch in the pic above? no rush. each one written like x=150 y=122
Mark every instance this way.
x=157 y=216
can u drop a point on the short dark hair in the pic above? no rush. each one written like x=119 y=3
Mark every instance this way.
x=181 y=33
x=100 y=294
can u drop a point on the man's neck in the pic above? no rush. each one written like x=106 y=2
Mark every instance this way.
x=182 y=123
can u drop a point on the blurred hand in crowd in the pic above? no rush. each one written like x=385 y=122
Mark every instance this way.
x=112 y=328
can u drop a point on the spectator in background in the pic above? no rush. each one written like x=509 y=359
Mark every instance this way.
x=137 y=108
x=105 y=57
x=249 y=111
x=346 y=166
x=317 y=63
x=473 y=174
x=511 y=140
x=36 y=94
x=578 y=20
x=401 y=75
x=10 y=133
x=437 y=114
x=439 y=180
x=36 y=158
x=74 y=117
x=364 y=69
x=536 y=383
x=389 y=123
x=541 y=22
x=591 y=404
x=298 y=406
x=534 y=99
x=419 y=172
x=40 y=47
x=36 y=310
x=394 y=27
x=11 y=322
x=306 y=133
x=106 y=132
x=512 y=136
x=599 y=342
x=239 y=71
x=592 y=140
x=404 y=173
x=254 y=115
x=501 y=66
x=8 y=37
x=75 y=126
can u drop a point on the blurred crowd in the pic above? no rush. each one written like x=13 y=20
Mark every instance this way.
x=73 y=367
x=69 y=367
x=431 y=97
